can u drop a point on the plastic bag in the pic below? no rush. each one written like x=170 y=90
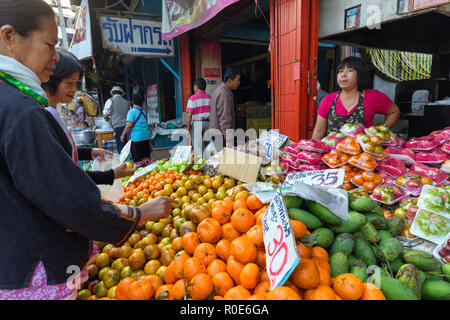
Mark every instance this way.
x=333 y=139
x=392 y=167
x=349 y=146
x=446 y=147
x=423 y=143
x=312 y=145
x=433 y=157
x=311 y=167
x=446 y=166
x=114 y=192
x=210 y=150
x=405 y=155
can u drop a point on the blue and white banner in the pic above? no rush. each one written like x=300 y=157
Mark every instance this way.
x=134 y=37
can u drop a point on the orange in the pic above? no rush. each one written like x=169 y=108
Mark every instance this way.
x=237 y=293
x=223 y=249
x=256 y=235
x=261 y=258
x=154 y=280
x=221 y=213
x=262 y=288
x=348 y=286
x=234 y=268
x=178 y=263
x=229 y=232
x=215 y=267
x=249 y=276
x=193 y=266
x=324 y=275
x=306 y=275
x=209 y=230
x=299 y=228
x=242 y=195
x=243 y=249
x=368 y=176
x=304 y=251
x=240 y=204
x=206 y=253
x=282 y=293
x=201 y=286
x=323 y=293
x=179 y=290
x=190 y=241
x=242 y=220
x=141 y=289
x=319 y=252
x=164 y=292
x=371 y=292
x=253 y=203
x=122 y=288
x=222 y=283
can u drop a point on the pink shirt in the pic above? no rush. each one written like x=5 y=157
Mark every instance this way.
x=375 y=102
x=199 y=105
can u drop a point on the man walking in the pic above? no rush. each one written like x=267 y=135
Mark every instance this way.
x=198 y=108
x=116 y=109
x=222 y=116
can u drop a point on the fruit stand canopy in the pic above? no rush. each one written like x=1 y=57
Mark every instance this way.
x=425 y=32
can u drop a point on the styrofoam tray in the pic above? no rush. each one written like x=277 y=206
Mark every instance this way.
x=422 y=205
x=438 y=247
x=393 y=202
x=415 y=229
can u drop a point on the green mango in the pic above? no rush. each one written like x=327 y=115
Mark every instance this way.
x=310 y=220
x=344 y=242
x=324 y=237
x=323 y=213
x=339 y=264
x=409 y=275
x=292 y=202
x=354 y=223
x=436 y=290
x=363 y=204
x=370 y=232
x=423 y=260
x=396 y=225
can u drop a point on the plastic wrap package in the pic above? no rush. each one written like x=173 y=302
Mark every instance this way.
x=388 y=193
x=363 y=161
x=391 y=166
x=386 y=178
x=309 y=157
x=311 y=167
x=442 y=135
x=333 y=139
x=423 y=143
x=313 y=145
x=405 y=155
x=349 y=146
x=412 y=182
x=435 y=156
x=423 y=170
x=115 y=192
x=335 y=158
x=293 y=150
x=352 y=130
x=446 y=147
x=446 y=166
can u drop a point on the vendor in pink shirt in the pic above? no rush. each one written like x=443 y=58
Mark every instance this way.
x=355 y=103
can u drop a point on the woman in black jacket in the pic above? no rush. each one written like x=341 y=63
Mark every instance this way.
x=61 y=88
x=45 y=225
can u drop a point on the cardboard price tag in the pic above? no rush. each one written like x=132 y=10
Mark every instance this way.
x=281 y=252
x=181 y=154
x=275 y=138
x=331 y=178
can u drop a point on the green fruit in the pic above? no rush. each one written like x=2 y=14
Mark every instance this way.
x=409 y=275
x=344 y=242
x=101 y=290
x=394 y=289
x=351 y=260
x=324 y=237
x=363 y=251
x=83 y=294
x=323 y=213
x=391 y=248
x=436 y=290
x=311 y=221
x=423 y=276
x=370 y=232
x=378 y=221
x=384 y=235
x=363 y=204
x=446 y=270
x=126 y=272
x=356 y=220
x=422 y=260
x=292 y=202
x=338 y=264
x=396 y=225
x=396 y=265
x=359 y=269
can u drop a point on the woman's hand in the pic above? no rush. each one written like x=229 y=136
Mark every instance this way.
x=123 y=171
x=158 y=208
x=122 y=138
x=321 y=128
x=101 y=153
x=392 y=115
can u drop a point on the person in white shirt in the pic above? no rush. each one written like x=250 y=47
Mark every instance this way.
x=116 y=108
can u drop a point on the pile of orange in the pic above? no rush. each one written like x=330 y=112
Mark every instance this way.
x=335 y=158
x=364 y=161
x=367 y=180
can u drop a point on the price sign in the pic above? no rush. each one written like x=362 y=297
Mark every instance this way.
x=181 y=154
x=125 y=152
x=331 y=178
x=281 y=252
x=275 y=138
x=142 y=172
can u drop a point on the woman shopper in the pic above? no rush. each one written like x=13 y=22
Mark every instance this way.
x=61 y=88
x=46 y=227
x=138 y=127
x=354 y=103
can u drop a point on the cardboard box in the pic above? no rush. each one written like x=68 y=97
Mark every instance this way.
x=240 y=165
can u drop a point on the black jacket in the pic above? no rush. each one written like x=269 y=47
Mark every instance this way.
x=43 y=193
x=99 y=177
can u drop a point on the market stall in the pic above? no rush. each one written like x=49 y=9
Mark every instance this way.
x=360 y=215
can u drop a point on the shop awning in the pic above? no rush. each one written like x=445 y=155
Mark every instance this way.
x=180 y=16
x=425 y=31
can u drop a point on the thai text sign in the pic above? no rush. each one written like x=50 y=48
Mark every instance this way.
x=281 y=251
x=135 y=37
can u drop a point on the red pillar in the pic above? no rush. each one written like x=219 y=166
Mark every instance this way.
x=186 y=77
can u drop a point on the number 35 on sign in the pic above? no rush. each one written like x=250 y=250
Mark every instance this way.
x=281 y=252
